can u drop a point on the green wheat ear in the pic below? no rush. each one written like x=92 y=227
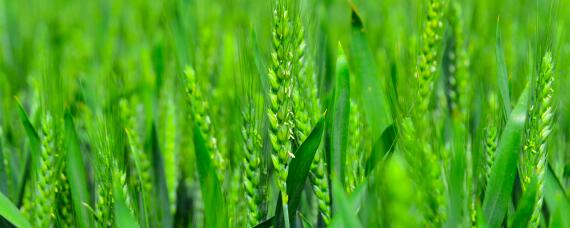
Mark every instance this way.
x=285 y=58
x=46 y=195
x=306 y=109
x=170 y=151
x=356 y=150
x=104 y=199
x=539 y=128
x=416 y=139
x=455 y=65
x=252 y=146
x=201 y=117
x=431 y=41
x=491 y=133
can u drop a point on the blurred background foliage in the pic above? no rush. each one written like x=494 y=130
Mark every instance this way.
x=98 y=51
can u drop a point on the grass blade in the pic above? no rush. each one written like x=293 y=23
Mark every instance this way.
x=77 y=175
x=383 y=148
x=123 y=217
x=502 y=74
x=339 y=118
x=457 y=184
x=3 y=169
x=265 y=224
x=526 y=206
x=345 y=215
x=163 y=206
x=215 y=212
x=299 y=171
x=556 y=199
x=362 y=66
x=500 y=187
x=32 y=158
x=11 y=213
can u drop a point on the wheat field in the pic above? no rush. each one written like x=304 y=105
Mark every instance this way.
x=284 y=113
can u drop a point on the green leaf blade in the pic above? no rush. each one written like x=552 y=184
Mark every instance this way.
x=299 y=170
x=215 y=210
x=11 y=213
x=77 y=175
x=498 y=192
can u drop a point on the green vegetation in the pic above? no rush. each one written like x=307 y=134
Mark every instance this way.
x=284 y=113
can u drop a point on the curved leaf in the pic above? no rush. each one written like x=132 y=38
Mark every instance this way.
x=556 y=199
x=383 y=148
x=502 y=75
x=299 y=170
x=526 y=206
x=123 y=217
x=339 y=117
x=215 y=212
x=77 y=175
x=363 y=67
x=345 y=215
x=11 y=213
x=265 y=224
x=500 y=187
x=32 y=158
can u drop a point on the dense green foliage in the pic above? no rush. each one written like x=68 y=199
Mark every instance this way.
x=284 y=113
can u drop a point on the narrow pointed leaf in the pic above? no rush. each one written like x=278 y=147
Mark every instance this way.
x=299 y=170
x=339 y=117
x=383 y=148
x=10 y=212
x=526 y=206
x=31 y=158
x=500 y=187
x=215 y=212
x=77 y=175
x=502 y=75
x=123 y=216
x=345 y=215
x=368 y=85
